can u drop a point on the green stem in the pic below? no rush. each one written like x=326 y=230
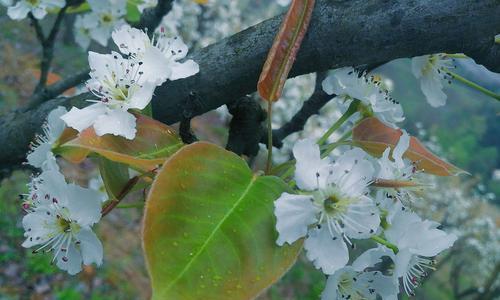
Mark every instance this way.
x=131 y=205
x=269 y=138
x=330 y=147
x=382 y=241
x=474 y=85
x=353 y=107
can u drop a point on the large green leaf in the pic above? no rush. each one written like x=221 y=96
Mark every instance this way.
x=209 y=228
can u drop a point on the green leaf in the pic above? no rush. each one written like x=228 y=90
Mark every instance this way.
x=153 y=143
x=133 y=14
x=209 y=228
x=114 y=175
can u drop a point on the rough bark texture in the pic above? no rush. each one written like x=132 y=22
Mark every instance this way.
x=341 y=33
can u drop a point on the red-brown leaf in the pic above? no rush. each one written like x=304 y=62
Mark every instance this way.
x=374 y=137
x=284 y=50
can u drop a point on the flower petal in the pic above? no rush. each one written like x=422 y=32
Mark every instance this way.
x=116 y=122
x=326 y=252
x=84 y=205
x=310 y=170
x=183 y=70
x=81 y=119
x=18 y=11
x=90 y=247
x=294 y=214
x=70 y=260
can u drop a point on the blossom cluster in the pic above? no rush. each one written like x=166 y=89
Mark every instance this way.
x=60 y=215
x=37 y=8
x=126 y=81
x=335 y=204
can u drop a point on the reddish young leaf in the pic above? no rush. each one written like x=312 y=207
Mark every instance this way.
x=154 y=142
x=374 y=137
x=284 y=50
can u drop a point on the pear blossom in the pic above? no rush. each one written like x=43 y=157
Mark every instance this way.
x=347 y=84
x=109 y=14
x=431 y=71
x=38 y=8
x=159 y=55
x=418 y=242
x=333 y=206
x=349 y=283
x=41 y=155
x=60 y=220
x=83 y=28
x=119 y=84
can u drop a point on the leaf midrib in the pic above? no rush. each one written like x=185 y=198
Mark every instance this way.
x=212 y=234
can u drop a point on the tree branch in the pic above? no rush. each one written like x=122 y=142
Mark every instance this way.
x=341 y=33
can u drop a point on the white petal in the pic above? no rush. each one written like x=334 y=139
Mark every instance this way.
x=294 y=214
x=142 y=96
x=73 y=265
x=400 y=149
x=116 y=122
x=433 y=90
x=81 y=119
x=156 y=67
x=18 y=11
x=39 y=155
x=35 y=227
x=326 y=252
x=371 y=257
x=130 y=40
x=361 y=219
x=402 y=262
x=84 y=205
x=38 y=12
x=101 y=34
x=309 y=165
x=183 y=70
x=420 y=65
x=54 y=185
x=55 y=123
x=90 y=247
x=331 y=289
x=385 y=286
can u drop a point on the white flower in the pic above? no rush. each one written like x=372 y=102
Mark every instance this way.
x=417 y=240
x=61 y=220
x=431 y=71
x=348 y=84
x=160 y=55
x=84 y=26
x=41 y=155
x=349 y=283
x=119 y=84
x=146 y=4
x=332 y=208
x=109 y=14
x=37 y=7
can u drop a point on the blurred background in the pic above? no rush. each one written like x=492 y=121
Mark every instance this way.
x=466 y=131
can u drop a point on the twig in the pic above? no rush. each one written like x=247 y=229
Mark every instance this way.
x=152 y=17
x=48 y=48
x=59 y=87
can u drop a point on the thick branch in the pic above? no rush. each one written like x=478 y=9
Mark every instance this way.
x=341 y=33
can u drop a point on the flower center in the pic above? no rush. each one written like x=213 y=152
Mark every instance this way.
x=33 y=2
x=64 y=224
x=106 y=18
